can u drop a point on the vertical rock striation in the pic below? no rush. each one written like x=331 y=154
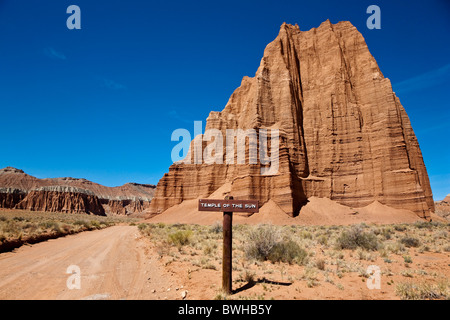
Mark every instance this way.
x=62 y=199
x=344 y=134
x=19 y=190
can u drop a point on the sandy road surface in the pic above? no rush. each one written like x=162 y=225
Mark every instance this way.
x=113 y=265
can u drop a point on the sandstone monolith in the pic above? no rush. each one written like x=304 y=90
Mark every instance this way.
x=344 y=134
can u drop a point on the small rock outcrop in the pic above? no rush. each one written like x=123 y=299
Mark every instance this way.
x=443 y=207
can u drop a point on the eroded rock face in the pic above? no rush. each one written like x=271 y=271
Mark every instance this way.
x=9 y=197
x=343 y=133
x=21 y=191
x=125 y=207
x=55 y=201
x=443 y=207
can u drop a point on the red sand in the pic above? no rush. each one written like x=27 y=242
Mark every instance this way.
x=318 y=211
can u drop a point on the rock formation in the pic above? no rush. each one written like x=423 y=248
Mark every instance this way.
x=443 y=207
x=61 y=199
x=343 y=133
x=22 y=191
x=9 y=197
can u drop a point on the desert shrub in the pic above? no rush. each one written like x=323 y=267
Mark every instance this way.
x=357 y=238
x=407 y=259
x=95 y=224
x=306 y=235
x=247 y=276
x=11 y=227
x=50 y=225
x=396 y=248
x=400 y=227
x=310 y=276
x=260 y=241
x=82 y=223
x=410 y=242
x=442 y=234
x=323 y=240
x=180 y=238
x=66 y=228
x=287 y=251
x=209 y=247
x=426 y=224
x=56 y=227
x=320 y=264
x=142 y=226
x=217 y=227
x=384 y=232
x=422 y=291
x=264 y=242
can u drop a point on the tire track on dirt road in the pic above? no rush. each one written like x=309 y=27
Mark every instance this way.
x=113 y=265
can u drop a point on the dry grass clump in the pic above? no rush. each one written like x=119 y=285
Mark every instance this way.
x=180 y=238
x=423 y=291
x=410 y=242
x=356 y=237
x=260 y=241
x=217 y=227
x=288 y=251
x=264 y=242
x=19 y=227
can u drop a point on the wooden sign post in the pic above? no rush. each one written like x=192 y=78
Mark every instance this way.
x=227 y=206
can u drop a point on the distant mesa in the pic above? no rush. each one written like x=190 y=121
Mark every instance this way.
x=19 y=190
x=344 y=134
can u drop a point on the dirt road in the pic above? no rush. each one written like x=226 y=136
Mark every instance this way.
x=113 y=264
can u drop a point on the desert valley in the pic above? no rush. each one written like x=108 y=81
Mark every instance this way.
x=351 y=196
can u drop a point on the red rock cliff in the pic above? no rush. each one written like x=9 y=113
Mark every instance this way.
x=344 y=134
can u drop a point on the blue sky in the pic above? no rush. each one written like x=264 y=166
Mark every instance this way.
x=101 y=102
